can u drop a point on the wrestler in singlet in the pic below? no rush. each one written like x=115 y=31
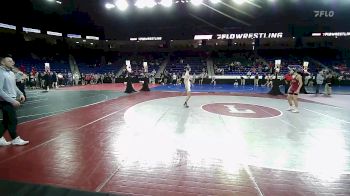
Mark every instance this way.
x=294 y=85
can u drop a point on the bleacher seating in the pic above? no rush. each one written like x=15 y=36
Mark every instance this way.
x=181 y=59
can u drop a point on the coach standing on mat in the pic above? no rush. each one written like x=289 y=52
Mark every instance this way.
x=8 y=102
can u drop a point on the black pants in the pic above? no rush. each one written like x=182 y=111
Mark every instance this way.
x=129 y=88
x=145 y=86
x=9 y=121
x=21 y=87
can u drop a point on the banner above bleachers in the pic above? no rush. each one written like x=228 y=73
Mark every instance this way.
x=54 y=33
x=73 y=36
x=92 y=37
x=146 y=39
x=30 y=30
x=240 y=36
x=7 y=26
x=331 y=34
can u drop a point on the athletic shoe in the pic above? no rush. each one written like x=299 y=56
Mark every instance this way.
x=3 y=142
x=291 y=108
x=19 y=142
x=185 y=104
x=295 y=110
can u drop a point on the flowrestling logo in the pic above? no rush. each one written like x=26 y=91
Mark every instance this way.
x=323 y=14
x=250 y=35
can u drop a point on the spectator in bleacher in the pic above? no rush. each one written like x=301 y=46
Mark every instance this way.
x=328 y=86
x=254 y=70
x=75 y=78
x=266 y=68
x=268 y=79
x=152 y=76
x=249 y=74
x=203 y=75
x=65 y=79
x=174 y=77
x=179 y=77
x=260 y=68
x=88 y=78
x=307 y=79
x=256 y=79
x=32 y=81
x=70 y=78
x=242 y=81
x=271 y=66
x=166 y=77
x=213 y=80
x=37 y=80
x=319 y=82
x=113 y=76
x=194 y=76
x=42 y=80
x=102 y=78
x=311 y=80
x=33 y=71
x=82 y=76
x=161 y=79
x=54 y=80
x=20 y=80
x=60 y=79
x=47 y=79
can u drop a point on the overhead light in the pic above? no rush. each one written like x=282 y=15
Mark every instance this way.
x=150 y=3
x=196 y=2
x=109 y=5
x=166 y=3
x=92 y=43
x=140 y=4
x=215 y=1
x=145 y=3
x=122 y=5
x=59 y=2
x=77 y=42
x=239 y=2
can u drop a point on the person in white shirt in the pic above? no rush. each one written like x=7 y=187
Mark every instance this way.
x=187 y=83
x=213 y=80
x=8 y=103
x=194 y=78
x=319 y=82
x=174 y=79
x=76 y=78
